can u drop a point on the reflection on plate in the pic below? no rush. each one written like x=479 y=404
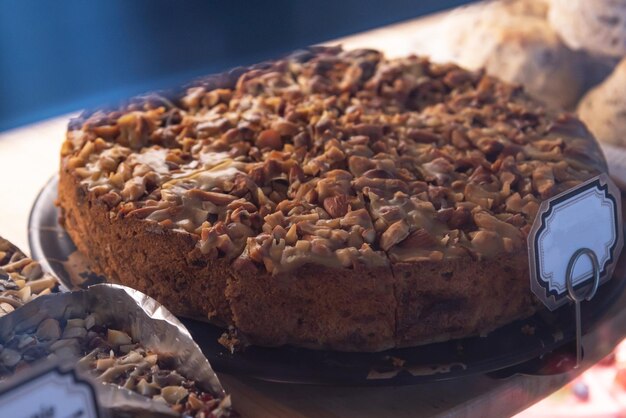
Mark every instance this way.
x=511 y=345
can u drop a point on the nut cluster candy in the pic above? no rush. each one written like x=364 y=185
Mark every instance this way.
x=111 y=356
x=21 y=278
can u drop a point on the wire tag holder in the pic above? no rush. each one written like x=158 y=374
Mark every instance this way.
x=577 y=296
x=573 y=246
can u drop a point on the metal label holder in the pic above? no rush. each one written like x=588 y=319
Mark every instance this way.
x=587 y=294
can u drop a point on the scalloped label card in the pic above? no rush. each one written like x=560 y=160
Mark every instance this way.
x=48 y=390
x=586 y=216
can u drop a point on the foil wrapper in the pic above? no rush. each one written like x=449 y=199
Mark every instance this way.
x=147 y=322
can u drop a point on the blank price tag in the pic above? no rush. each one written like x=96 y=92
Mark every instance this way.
x=587 y=217
x=48 y=392
x=574 y=244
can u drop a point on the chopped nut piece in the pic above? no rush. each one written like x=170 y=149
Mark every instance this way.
x=48 y=330
x=117 y=338
x=174 y=394
x=24 y=293
x=543 y=181
x=420 y=239
x=105 y=363
x=76 y=322
x=32 y=271
x=21 y=279
x=194 y=402
x=394 y=234
x=9 y=357
x=269 y=139
x=74 y=332
x=68 y=348
x=147 y=389
x=6 y=308
x=336 y=206
x=90 y=321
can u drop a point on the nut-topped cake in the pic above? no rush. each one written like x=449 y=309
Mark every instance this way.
x=332 y=199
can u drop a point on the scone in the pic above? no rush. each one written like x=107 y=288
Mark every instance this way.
x=332 y=199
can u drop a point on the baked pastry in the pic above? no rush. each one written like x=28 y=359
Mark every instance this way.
x=603 y=108
x=513 y=41
x=332 y=199
x=598 y=26
x=536 y=8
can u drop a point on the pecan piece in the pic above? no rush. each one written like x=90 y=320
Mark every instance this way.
x=285 y=128
x=501 y=229
x=133 y=190
x=420 y=238
x=459 y=218
x=489 y=146
x=378 y=173
x=477 y=194
x=359 y=165
x=219 y=199
x=422 y=136
x=396 y=232
x=336 y=206
x=487 y=243
x=369 y=130
x=269 y=139
x=135 y=129
x=111 y=199
x=357 y=217
x=543 y=181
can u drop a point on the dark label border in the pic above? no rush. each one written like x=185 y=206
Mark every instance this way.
x=7 y=387
x=566 y=196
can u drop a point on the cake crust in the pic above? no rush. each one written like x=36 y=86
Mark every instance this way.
x=331 y=200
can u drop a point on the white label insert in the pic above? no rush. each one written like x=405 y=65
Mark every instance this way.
x=587 y=216
x=53 y=394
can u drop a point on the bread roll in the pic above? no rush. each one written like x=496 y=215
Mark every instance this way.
x=595 y=25
x=536 y=8
x=597 y=68
x=603 y=108
x=513 y=42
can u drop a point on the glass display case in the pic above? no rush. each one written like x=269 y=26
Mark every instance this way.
x=313 y=208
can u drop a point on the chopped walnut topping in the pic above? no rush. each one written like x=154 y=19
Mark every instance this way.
x=336 y=158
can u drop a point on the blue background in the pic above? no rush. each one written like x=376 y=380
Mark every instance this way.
x=61 y=56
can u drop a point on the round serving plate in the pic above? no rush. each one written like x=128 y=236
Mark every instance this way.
x=521 y=342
